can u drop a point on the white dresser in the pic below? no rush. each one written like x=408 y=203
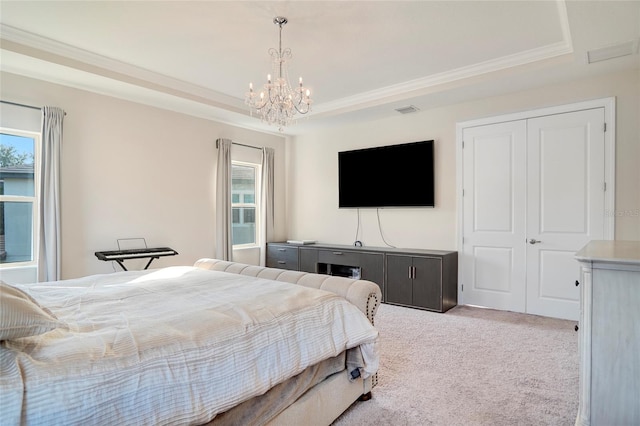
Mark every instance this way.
x=609 y=333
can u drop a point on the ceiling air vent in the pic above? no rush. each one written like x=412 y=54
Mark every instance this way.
x=614 y=51
x=407 y=109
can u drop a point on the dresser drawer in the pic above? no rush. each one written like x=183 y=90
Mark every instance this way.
x=338 y=257
x=283 y=257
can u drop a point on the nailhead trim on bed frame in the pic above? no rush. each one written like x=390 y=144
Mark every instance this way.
x=372 y=309
x=370 y=313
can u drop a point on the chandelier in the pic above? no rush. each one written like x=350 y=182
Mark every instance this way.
x=278 y=102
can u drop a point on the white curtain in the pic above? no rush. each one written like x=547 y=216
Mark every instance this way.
x=49 y=246
x=266 y=208
x=224 y=244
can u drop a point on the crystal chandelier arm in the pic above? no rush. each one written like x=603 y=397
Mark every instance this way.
x=274 y=95
x=304 y=110
x=302 y=99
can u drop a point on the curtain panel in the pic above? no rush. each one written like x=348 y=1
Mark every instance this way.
x=267 y=203
x=224 y=244
x=49 y=245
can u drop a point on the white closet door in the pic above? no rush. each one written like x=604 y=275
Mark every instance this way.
x=494 y=177
x=533 y=196
x=565 y=206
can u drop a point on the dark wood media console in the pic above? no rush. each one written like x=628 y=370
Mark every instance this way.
x=424 y=279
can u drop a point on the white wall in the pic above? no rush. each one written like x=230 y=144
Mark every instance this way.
x=313 y=187
x=130 y=170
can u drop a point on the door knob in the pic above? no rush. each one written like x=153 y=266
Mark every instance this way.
x=534 y=241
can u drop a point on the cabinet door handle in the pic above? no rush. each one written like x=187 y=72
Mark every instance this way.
x=337 y=253
x=412 y=272
x=282 y=262
x=577 y=283
x=282 y=249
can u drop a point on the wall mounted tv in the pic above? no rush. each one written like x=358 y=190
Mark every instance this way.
x=387 y=176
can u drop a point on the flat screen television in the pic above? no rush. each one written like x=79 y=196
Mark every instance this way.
x=387 y=176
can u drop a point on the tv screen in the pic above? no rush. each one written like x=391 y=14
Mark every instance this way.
x=387 y=176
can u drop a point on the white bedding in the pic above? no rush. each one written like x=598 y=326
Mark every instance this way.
x=170 y=346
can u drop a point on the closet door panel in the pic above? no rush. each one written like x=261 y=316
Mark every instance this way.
x=493 y=271
x=565 y=199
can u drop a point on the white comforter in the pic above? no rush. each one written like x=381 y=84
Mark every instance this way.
x=170 y=346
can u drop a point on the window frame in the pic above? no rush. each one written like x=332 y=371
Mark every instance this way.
x=34 y=200
x=256 y=204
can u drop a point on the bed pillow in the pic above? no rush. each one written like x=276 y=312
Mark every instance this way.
x=21 y=315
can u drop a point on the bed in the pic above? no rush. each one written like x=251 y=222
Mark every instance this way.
x=214 y=343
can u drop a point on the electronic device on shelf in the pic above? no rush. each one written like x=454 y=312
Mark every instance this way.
x=301 y=242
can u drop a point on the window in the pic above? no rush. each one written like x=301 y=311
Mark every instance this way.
x=19 y=155
x=244 y=178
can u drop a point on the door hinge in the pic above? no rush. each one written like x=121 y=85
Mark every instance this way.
x=605 y=186
x=605 y=127
x=462 y=144
x=463 y=192
x=462 y=287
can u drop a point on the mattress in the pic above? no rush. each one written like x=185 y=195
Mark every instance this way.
x=175 y=345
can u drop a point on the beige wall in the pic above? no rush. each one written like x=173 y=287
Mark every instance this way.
x=130 y=170
x=313 y=207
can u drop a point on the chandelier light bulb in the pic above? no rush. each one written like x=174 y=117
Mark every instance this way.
x=279 y=103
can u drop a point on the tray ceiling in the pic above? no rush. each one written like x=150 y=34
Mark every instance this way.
x=360 y=59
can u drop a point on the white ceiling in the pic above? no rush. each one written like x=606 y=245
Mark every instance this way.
x=361 y=59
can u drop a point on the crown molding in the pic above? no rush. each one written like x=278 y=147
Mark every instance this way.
x=127 y=72
x=409 y=88
x=27 y=43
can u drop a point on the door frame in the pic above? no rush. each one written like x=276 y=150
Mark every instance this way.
x=609 y=105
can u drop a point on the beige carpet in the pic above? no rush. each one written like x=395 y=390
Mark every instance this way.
x=471 y=366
